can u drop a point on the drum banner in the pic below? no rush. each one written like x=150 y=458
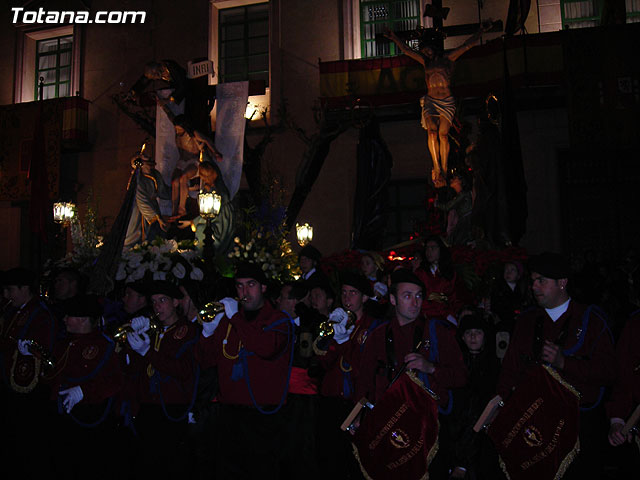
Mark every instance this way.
x=536 y=432
x=399 y=437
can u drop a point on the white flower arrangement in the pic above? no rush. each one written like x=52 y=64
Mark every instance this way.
x=160 y=260
x=271 y=251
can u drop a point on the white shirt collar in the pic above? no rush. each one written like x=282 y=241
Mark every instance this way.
x=556 y=313
x=309 y=273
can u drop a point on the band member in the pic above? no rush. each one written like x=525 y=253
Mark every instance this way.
x=26 y=344
x=301 y=411
x=340 y=359
x=437 y=360
x=309 y=259
x=625 y=396
x=85 y=379
x=251 y=346
x=575 y=340
x=133 y=304
x=438 y=275
x=161 y=379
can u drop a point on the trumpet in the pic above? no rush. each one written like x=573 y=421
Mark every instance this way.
x=41 y=353
x=211 y=309
x=120 y=335
x=326 y=327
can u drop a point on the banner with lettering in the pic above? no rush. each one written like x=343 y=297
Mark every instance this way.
x=536 y=432
x=399 y=437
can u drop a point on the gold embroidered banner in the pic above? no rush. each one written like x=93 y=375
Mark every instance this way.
x=399 y=437
x=536 y=432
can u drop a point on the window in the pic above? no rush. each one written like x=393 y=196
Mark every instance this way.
x=244 y=43
x=633 y=11
x=53 y=65
x=587 y=13
x=52 y=53
x=580 y=13
x=397 y=15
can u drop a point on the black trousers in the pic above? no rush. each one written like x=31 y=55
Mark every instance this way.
x=162 y=450
x=249 y=443
x=589 y=464
x=300 y=452
x=335 y=451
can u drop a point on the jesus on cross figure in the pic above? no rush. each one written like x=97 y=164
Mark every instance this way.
x=438 y=105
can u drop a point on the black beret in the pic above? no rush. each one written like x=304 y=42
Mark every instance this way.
x=357 y=281
x=403 y=275
x=139 y=287
x=82 y=306
x=194 y=290
x=550 y=265
x=310 y=252
x=472 y=321
x=20 y=277
x=164 y=287
x=323 y=285
x=251 y=270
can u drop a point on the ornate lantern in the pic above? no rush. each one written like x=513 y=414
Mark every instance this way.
x=63 y=212
x=304 y=233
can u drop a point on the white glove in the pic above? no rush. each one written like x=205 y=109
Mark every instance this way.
x=23 y=348
x=341 y=333
x=230 y=306
x=380 y=288
x=338 y=316
x=73 y=396
x=140 y=324
x=139 y=343
x=209 y=327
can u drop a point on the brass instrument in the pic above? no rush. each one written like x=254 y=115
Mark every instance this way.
x=41 y=353
x=326 y=331
x=326 y=327
x=120 y=335
x=211 y=309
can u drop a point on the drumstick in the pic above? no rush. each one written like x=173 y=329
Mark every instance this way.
x=403 y=368
x=489 y=412
x=631 y=422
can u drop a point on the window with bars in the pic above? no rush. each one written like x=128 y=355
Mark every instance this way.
x=244 y=43
x=587 y=13
x=375 y=16
x=53 y=65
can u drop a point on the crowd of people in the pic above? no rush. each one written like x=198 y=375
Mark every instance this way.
x=163 y=383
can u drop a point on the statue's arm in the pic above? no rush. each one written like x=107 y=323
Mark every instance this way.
x=404 y=48
x=470 y=42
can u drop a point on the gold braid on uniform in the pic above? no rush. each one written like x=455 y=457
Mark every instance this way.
x=156 y=346
x=224 y=346
x=34 y=381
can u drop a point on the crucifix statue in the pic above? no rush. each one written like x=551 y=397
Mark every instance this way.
x=438 y=104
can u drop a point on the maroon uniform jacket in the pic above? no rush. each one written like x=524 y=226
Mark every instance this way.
x=344 y=359
x=33 y=321
x=268 y=354
x=626 y=390
x=373 y=379
x=436 y=283
x=589 y=368
x=87 y=361
x=167 y=373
